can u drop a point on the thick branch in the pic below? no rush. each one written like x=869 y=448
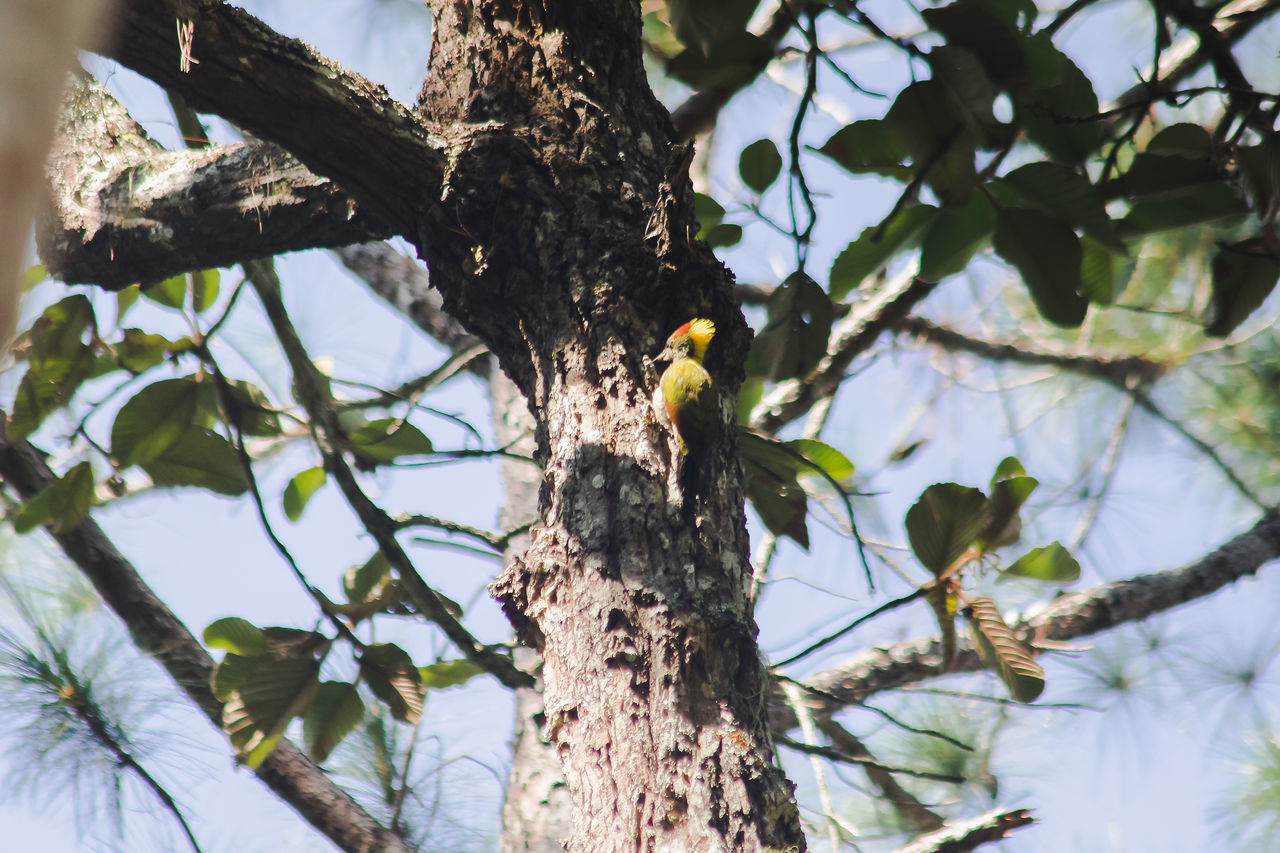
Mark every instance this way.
x=1118 y=370
x=125 y=209
x=158 y=632
x=280 y=89
x=1066 y=618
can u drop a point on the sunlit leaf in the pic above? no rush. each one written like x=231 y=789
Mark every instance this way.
x=300 y=489
x=1050 y=563
x=449 y=673
x=199 y=458
x=61 y=505
x=238 y=636
x=153 y=420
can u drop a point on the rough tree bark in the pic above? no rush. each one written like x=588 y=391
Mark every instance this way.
x=540 y=184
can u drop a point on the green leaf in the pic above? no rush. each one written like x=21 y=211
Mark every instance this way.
x=731 y=62
x=272 y=691
x=449 y=673
x=59 y=361
x=1054 y=115
x=1050 y=563
x=940 y=134
x=723 y=235
x=61 y=505
x=869 y=146
x=795 y=338
x=359 y=582
x=1207 y=204
x=391 y=675
x=228 y=674
x=759 y=164
x=708 y=211
x=125 y=298
x=702 y=24
x=1010 y=488
x=951 y=240
x=945 y=522
x=974 y=26
x=1244 y=274
x=199 y=458
x=335 y=711
x=751 y=393
x=386 y=439
x=300 y=489
x=171 y=293
x=32 y=276
x=969 y=83
x=867 y=255
x=825 y=457
x=141 y=350
x=1160 y=177
x=1001 y=650
x=153 y=420
x=1048 y=255
x=204 y=289
x=772 y=487
x=1097 y=272
x=238 y=636
x=246 y=405
x=1066 y=194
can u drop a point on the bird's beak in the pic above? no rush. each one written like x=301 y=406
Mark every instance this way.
x=666 y=354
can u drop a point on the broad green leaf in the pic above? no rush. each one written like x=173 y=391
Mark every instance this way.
x=1244 y=274
x=276 y=689
x=238 y=636
x=795 y=338
x=759 y=164
x=708 y=211
x=1050 y=563
x=140 y=350
x=58 y=362
x=386 y=439
x=701 y=24
x=869 y=146
x=204 y=289
x=300 y=489
x=1001 y=650
x=246 y=406
x=228 y=674
x=61 y=505
x=449 y=673
x=1066 y=194
x=867 y=255
x=1208 y=203
x=1010 y=488
x=823 y=456
x=359 y=582
x=964 y=76
x=1097 y=272
x=199 y=458
x=171 y=293
x=1053 y=116
x=944 y=523
x=731 y=61
x=153 y=420
x=974 y=26
x=951 y=240
x=393 y=678
x=125 y=299
x=751 y=393
x=772 y=487
x=723 y=235
x=941 y=136
x=1182 y=140
x=1161 y=177
x=1048 y=255
x=32 y=276
x=335 y=711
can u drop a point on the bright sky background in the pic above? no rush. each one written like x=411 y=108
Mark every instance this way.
x=1142 y=776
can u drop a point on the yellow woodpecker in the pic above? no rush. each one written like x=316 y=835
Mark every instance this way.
x=689 y=394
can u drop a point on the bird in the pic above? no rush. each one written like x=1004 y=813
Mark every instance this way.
x=690 y=396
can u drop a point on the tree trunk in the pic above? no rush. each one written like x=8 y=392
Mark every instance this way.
x=573 y=259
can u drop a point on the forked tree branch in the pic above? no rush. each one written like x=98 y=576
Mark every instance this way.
x=158 y=632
